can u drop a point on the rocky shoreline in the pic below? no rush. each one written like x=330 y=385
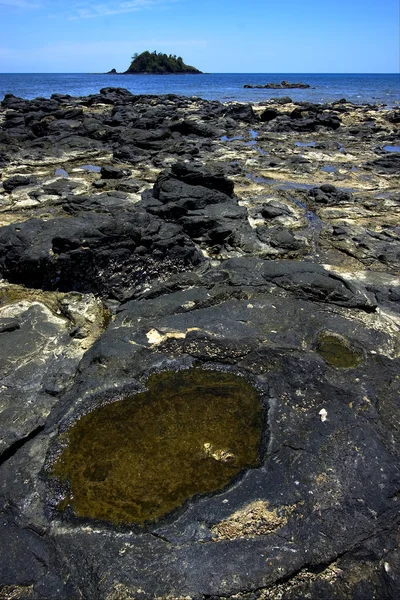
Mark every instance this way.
x=145 y=234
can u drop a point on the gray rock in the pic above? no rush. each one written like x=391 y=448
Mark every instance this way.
x=33 y=371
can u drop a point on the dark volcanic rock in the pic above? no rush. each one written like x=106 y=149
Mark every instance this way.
x=282 y=101
x=268 y=115
x=110 y=172
x=280 y=238
x=13 y=102
x=306 y=117
x=196 y=174
x=304 y=279
x=27 y=561
x=284 y=85
x=195 y=127
x=60 y=187
x=33 y=371
x=270 y=211
x=325 y=436
x=17 y=181
x=329 y=194
x=393 y=116
x=201 y=201
x=111 y=255
x=240 y=112
x=389 y=165
x=368 y=246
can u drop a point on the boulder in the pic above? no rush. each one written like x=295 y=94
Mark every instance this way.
x=16 y=181
x=110 y=172
x=93 y=252
x=329 y=194
x=268 y=115
x=389 y=165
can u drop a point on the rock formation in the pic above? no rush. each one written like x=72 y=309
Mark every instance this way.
x=284 y=85
x=144 y=235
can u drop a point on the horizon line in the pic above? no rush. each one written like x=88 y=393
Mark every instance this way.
x=207 y=73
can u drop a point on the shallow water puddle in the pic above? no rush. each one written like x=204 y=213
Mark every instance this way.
x=315 y=224
x=61 y=173
x=294 y=185
x=336 y=351
x=305 y=144
x=138 y=459
x=391 y=148
x=259 y=179
x=90 y=168
x=225 y=138
x=311 y=216
x=253 y=143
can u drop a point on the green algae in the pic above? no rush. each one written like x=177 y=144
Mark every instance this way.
x=336 y=351
x=138 y=459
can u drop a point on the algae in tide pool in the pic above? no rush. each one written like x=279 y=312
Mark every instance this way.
x=138 y=459
x=336 y=351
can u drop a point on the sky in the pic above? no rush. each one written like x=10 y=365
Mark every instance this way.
x=216 y=36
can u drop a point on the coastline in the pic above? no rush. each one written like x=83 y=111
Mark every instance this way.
x=148 y=233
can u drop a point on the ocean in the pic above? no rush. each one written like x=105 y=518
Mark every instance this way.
x=358 y=88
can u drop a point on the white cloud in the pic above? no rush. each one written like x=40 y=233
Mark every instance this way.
x=20 y=4
x=90 y=10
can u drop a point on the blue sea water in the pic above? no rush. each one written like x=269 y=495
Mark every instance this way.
x=358 y=88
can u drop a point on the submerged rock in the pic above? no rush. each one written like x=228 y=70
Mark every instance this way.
x=189 y=434
x=337 y=352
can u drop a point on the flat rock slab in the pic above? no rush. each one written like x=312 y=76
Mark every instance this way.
x=328 y=481
x=39 y=353
x=34 y=367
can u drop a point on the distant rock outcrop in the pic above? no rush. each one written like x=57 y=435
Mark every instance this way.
x=284 y=85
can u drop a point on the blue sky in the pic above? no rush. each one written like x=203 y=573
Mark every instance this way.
x=220 y=36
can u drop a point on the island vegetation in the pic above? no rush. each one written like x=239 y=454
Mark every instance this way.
x=159 y=63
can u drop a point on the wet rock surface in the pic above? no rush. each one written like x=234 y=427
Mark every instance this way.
x=142 y=235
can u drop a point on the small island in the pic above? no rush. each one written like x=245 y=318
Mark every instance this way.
x=157 y=63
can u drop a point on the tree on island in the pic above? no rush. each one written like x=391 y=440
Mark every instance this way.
x=159 y=63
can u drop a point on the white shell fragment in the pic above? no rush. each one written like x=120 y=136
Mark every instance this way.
x=323 y=414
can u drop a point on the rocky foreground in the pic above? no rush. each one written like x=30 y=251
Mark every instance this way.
x=142 y=234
